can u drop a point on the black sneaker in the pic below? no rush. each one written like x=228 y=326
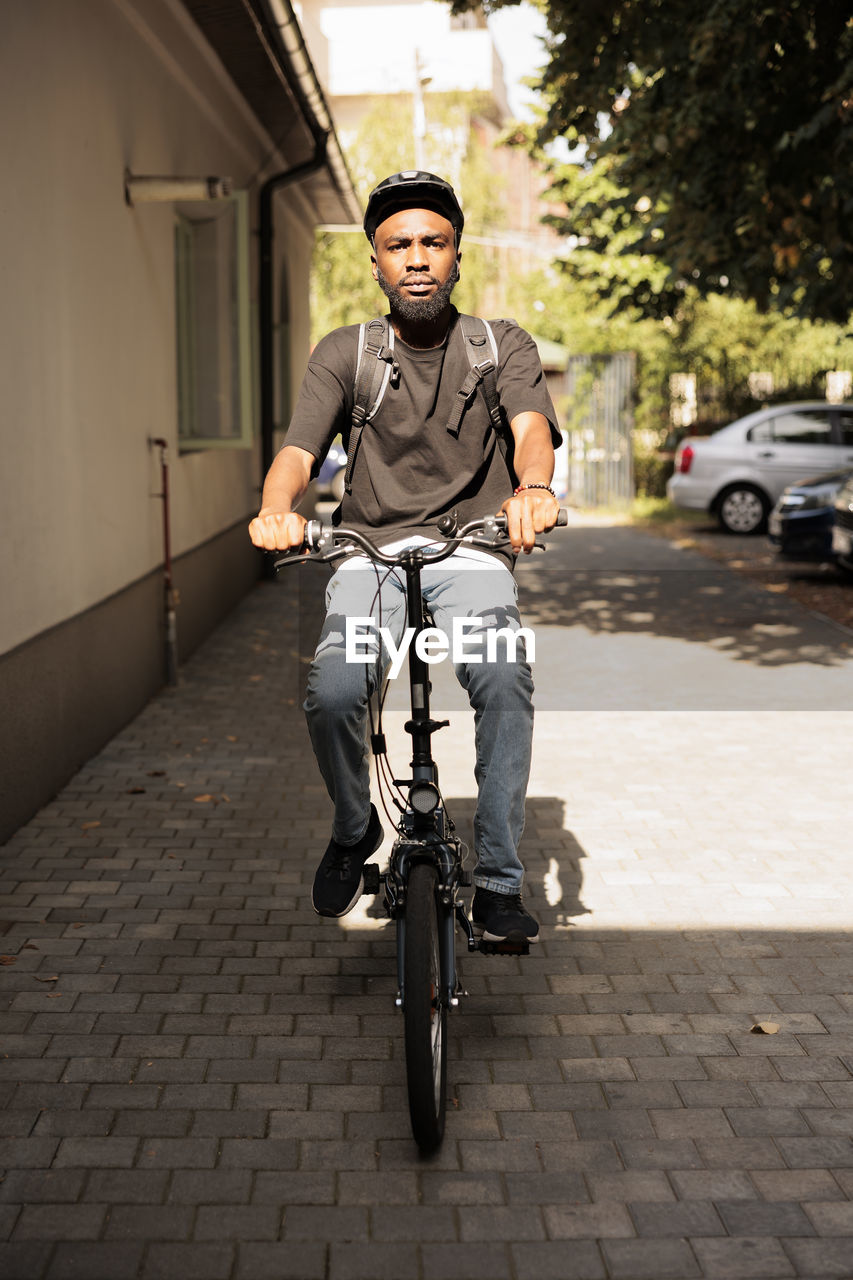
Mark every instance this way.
x=502 y=917
x=337 y=884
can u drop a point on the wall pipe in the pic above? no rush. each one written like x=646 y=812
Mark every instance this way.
x=170 y=595
x=265 y=290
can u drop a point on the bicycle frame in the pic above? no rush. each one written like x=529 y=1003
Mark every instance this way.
x=425 y=835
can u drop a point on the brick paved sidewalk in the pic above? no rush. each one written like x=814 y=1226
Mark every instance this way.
x=202 y=1080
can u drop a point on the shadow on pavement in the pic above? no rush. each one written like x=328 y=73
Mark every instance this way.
x=699 y=603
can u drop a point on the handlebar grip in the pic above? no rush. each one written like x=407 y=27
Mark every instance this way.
x=313 y=534
x=562 y=518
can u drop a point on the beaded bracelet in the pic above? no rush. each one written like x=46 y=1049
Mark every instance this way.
x=537 y=485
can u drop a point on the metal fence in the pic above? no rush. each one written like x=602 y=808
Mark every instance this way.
x=598 y=413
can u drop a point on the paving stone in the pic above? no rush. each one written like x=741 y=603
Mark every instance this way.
x=778 y=1218
x=797 y=1184
x=22 y=1260
x=606 y=1219
x=583 y=1155
x=545 y=1188
x=455 y=1261
x=95 y=1260
x=295 y=1260
x=60 y=1222
x=558 y=1260
x=96 y=1153
x=630 y=1186
x=745 y=1258
x=148 y=1222
x=196 y=1261
x=819 y=1258
x=687 y=1218
x=828 y=1218
x=701 y=1184
x=242 y=1223
x=209 y=1186
x=375 y=1261
x=126 y=1186
x=73 y=1124
x=650 y=1259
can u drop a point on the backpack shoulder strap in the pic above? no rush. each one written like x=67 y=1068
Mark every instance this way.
x=482 y=352
x=481 y=349
x=375 y=368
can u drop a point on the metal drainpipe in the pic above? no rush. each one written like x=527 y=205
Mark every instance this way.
x=170 y=595
x=265 y=289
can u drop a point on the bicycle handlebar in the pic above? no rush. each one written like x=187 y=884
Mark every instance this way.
x=326 y=542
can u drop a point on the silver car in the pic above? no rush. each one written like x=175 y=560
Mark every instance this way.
x=738 y=473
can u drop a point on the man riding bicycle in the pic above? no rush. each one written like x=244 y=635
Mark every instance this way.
x=431 y=443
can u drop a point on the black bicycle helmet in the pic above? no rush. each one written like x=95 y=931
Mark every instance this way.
x=412 y=189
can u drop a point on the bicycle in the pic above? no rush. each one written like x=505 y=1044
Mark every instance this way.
x=425 y=869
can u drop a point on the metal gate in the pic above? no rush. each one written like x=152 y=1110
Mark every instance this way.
x=599 y=419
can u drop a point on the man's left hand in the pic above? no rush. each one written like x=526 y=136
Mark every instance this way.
x=527 y=513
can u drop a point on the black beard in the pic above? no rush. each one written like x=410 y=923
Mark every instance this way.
x=418 y=310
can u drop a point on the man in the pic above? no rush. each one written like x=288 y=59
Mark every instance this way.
x=416 y=461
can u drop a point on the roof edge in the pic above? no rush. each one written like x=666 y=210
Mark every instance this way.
x=284 y=23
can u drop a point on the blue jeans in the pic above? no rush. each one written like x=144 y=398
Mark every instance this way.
x=500 y=691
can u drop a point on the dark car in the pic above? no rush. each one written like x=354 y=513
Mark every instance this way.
x=330 y=478
x=801 y=523
x=842 y=530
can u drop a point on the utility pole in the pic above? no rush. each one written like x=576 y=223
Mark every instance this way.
x=419 y=111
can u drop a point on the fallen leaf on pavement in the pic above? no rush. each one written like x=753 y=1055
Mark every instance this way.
x=53 y=978
x=205 y=799
x=765 y=1028
x=87 y=826
x=8 y=959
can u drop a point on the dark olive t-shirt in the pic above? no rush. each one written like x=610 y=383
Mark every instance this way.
x=409 y=469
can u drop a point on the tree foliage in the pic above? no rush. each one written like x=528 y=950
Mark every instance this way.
x=727 y=131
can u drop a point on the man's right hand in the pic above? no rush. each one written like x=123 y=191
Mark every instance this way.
x=277 y=530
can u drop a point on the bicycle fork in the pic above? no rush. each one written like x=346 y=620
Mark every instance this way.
x=448 y=912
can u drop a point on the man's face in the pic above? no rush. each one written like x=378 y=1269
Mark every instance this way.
x=415 y=262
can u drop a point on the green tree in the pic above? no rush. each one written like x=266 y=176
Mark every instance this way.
x=733 y=121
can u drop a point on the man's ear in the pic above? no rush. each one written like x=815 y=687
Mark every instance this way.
x=374 y=269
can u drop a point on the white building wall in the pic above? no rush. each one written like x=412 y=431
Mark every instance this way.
x=87 y=308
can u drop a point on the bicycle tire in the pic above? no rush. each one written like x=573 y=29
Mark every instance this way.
x=425 y=1012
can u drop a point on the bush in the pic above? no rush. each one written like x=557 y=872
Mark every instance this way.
x=651 y=471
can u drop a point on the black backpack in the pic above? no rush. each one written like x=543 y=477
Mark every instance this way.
x=377 y=367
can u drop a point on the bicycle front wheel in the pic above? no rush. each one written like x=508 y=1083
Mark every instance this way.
x=425 y=1011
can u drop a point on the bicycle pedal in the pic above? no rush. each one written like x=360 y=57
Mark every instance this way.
x=371 y=878
x=509 y=947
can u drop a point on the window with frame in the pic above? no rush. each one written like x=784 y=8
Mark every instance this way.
x=213 y=324
x=805 y=426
